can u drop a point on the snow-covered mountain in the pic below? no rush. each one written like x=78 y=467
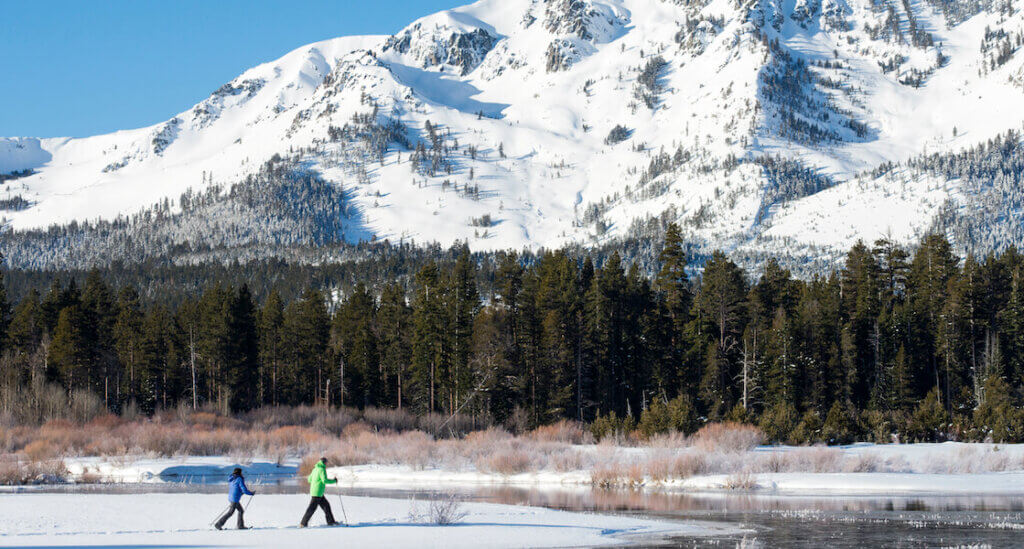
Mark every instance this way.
x=759 y=125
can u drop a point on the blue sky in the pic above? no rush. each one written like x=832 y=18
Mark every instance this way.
x=73 y=68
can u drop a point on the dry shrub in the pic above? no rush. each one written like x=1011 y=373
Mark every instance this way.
x=659 y=469
x=333 y=421
x=212 y=420
x=105 y=422
x=219 y=442
x=293 y=436
x=608 y=475
x=11 y=472
x=996 y=461
x=865 y=462
x=447 y=510
x=89 y=476
x=636 y=474
x=897 y=464
x=775 y=462
x=727 y=437
x=7 y=438
x=566 y=460
x=306 y=465
x=568 y=432
x=16 y=472
x=105 y=445
x=41 y=450
x=385 y=419
x=348 y=454
x=819 y=460
x=741 y=481
x=84 y=406
x=166 y=440
x=480 y=444
x=689 y=464
x=57 y=428
x=966 y=460
x=356 y=429
x=489 y=436
x=278 y=454
x=414 y=448
x=67 y=437
x=444 y=426
x=671 y=439
x=506 y=461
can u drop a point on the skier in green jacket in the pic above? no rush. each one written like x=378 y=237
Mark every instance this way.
x=317 y=481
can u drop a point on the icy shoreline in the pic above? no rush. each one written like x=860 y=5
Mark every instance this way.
x=860 y=469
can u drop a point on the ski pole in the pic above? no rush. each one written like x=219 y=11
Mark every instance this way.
x=255 y=485
x=342 y=503
x=220 y=514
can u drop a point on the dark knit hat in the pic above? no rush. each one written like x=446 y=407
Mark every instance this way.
x=238 y=471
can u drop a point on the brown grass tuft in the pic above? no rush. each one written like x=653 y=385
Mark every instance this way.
x=727 y=437
x=568 y=432
x=505 y=462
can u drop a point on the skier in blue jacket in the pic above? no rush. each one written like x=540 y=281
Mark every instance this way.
x=236 y=487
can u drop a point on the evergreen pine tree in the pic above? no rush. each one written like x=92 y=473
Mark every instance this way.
x=242 y=356
x=464 y=304
x=68 y=357
x=394 y=320
x=721 y=302
x=305 y=339
x=430 y=350
x=127 y=335
x=25 y=330
x=100 y=310
x=271 y=324
x=354 y=338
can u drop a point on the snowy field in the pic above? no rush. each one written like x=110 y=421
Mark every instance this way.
x=859 y=469
x=32 y=518
x=182 y=520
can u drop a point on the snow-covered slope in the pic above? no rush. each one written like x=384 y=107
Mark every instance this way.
x=758 y=125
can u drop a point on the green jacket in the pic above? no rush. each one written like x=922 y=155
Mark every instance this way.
x=317 y=479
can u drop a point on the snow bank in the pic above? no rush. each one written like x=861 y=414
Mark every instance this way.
x=186 y=469
x=182 y=520
x=858 y=469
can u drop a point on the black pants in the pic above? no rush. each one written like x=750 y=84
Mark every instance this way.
x=235 y=506
x=313 y=504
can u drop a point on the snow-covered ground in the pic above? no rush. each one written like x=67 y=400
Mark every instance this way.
x=31 y=518
x=859 y=469
x=182 y=520
x=183 y=469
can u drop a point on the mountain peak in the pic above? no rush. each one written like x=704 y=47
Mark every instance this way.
x=756 y=126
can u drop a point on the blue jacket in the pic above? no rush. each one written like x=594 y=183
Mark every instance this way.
x=237 y=488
